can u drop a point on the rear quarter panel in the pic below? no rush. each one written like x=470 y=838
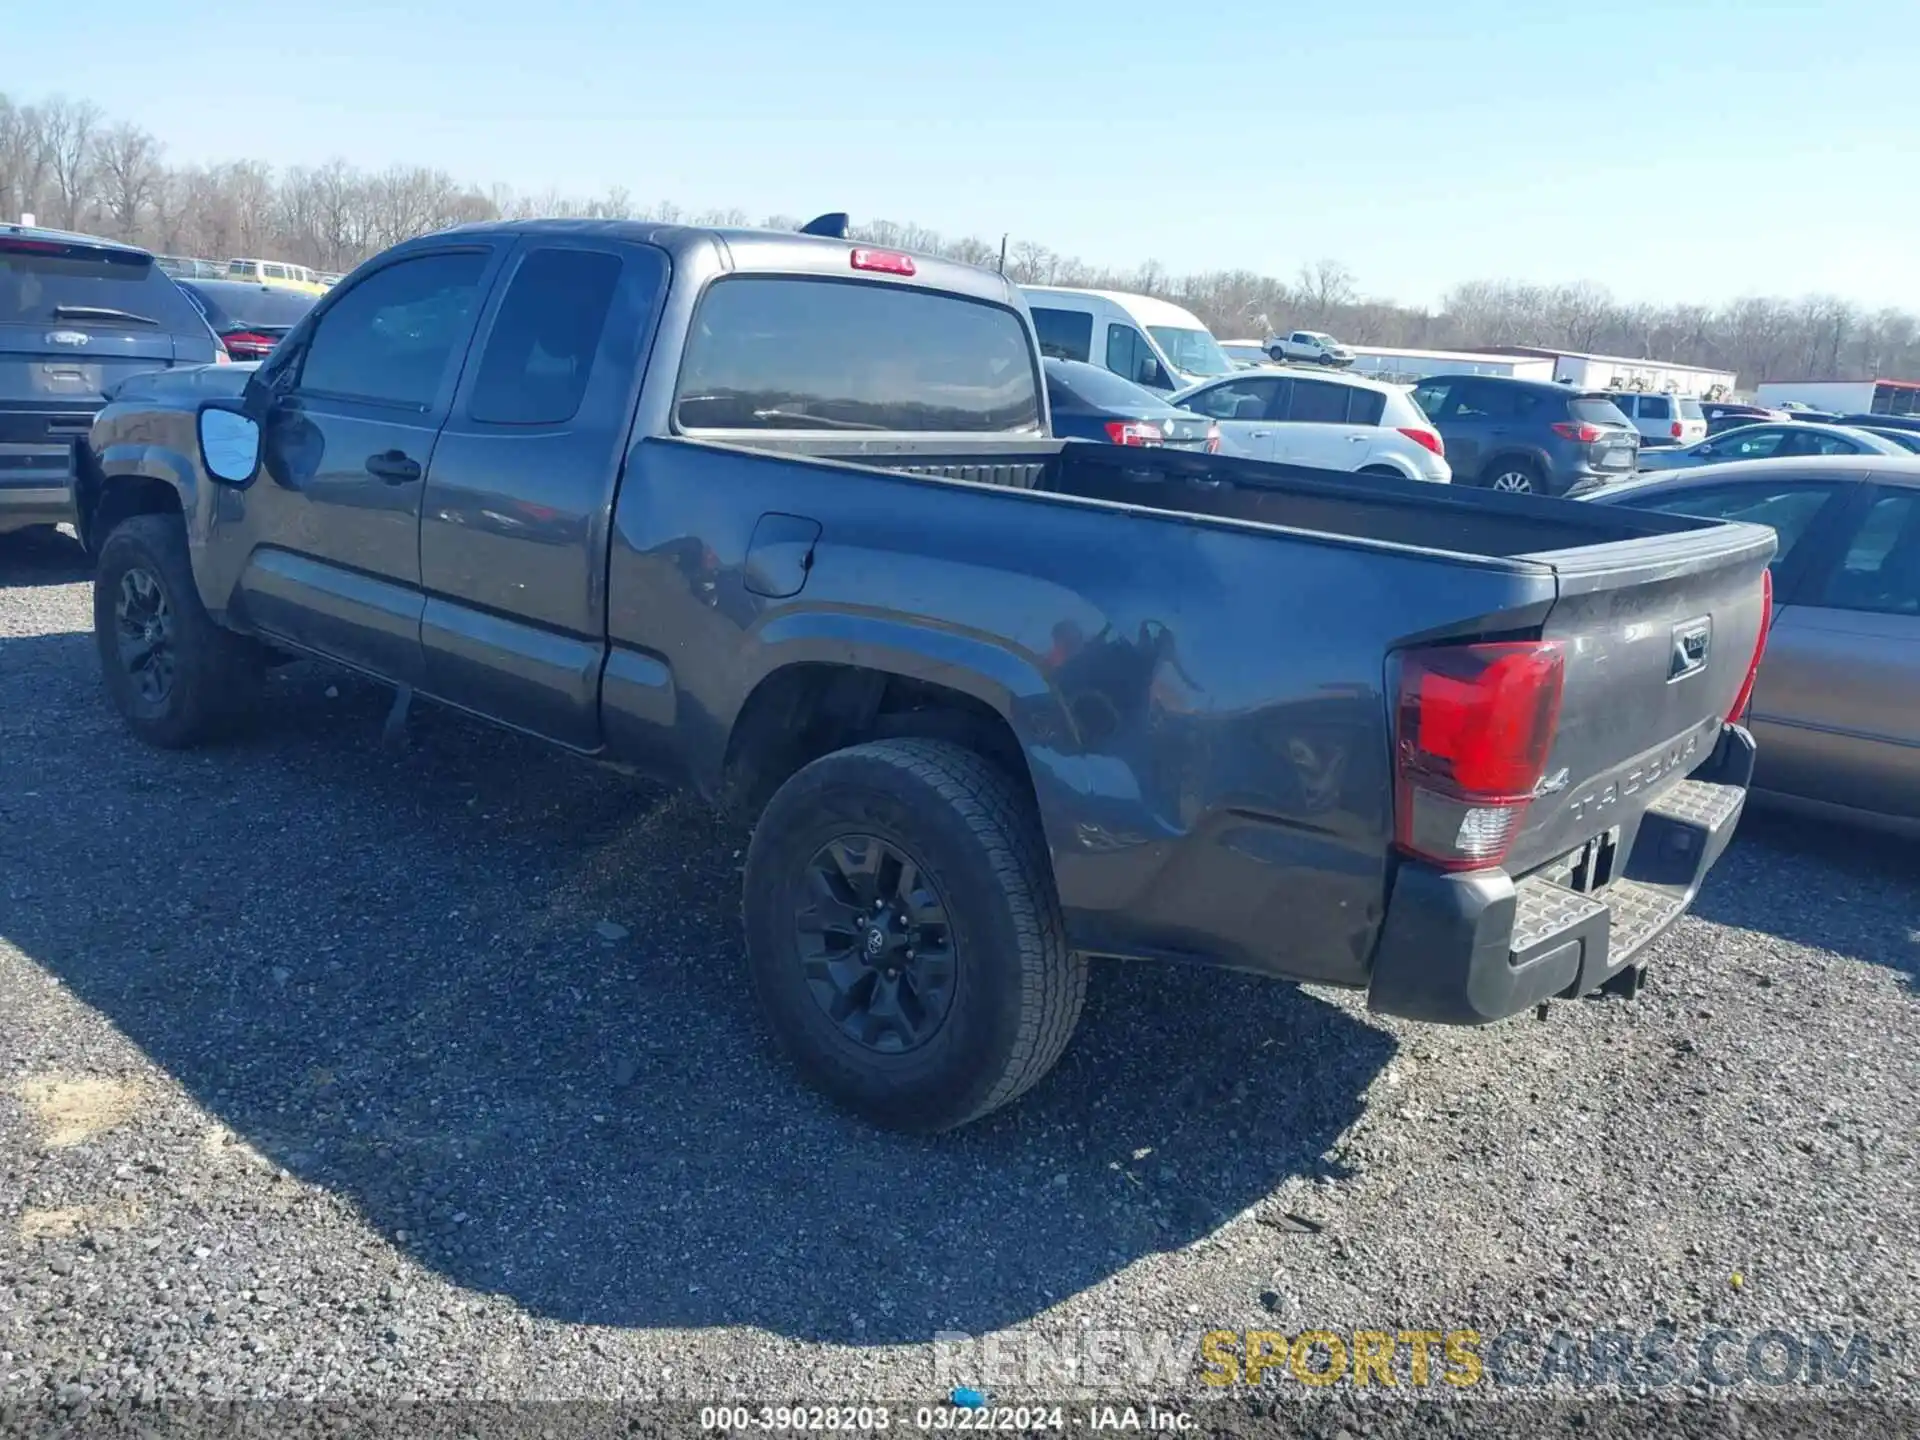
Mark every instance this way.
x=1201 y=704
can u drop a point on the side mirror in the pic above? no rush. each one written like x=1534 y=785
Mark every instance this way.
x=1152 y=375
x=229 y=445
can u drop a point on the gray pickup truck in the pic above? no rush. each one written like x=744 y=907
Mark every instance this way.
x=778 y=517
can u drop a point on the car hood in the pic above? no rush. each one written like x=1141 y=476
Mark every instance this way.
x=187 y=383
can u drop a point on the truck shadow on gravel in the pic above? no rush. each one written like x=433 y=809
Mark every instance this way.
x=1872 y=880
x=40 y=557
x=493 y=999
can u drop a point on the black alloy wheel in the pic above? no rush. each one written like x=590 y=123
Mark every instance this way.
x=873 y=940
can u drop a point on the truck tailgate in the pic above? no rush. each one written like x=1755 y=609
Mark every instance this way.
x=1659 y=634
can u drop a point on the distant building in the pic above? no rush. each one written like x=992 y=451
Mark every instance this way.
x=1620 y=372
x=1845 y=397
x=1406 y=367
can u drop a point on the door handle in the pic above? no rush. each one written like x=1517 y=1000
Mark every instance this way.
x=1357 y=439
x=395 y=467
x=1261 y=435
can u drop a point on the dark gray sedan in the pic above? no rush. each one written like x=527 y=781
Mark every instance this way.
x=1836 y=710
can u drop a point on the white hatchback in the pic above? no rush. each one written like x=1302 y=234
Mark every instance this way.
x=1332 y=421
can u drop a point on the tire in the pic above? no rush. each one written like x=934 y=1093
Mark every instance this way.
x=212 y=675
x=1013 y=989
x=1516 y=477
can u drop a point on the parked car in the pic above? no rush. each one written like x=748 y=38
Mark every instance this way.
x=1315 y=347
x=1800 y=410
x=1870 y=421
x=77 y=315
x=777 y=516
x=1331 y=421
x=184 y=267
x=1661 y=419
x=275 y=272
x=1089 y=403
x=1908 y=440
x=249 y=319
x=1728 y=414
x=1528 y=436
x=1147 y=341
x=1247 y=354
x=1786 y=440
x=1836 y=708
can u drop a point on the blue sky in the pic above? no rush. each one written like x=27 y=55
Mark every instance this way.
x=1667 y=149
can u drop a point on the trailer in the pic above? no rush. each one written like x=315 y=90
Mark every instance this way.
x=1843 y=397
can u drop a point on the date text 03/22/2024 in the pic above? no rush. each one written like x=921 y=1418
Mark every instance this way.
x=957 y=1417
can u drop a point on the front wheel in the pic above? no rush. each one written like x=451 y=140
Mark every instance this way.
x=176 y=677
x=904 y=935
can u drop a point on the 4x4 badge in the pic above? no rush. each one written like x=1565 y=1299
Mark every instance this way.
x=67 y=337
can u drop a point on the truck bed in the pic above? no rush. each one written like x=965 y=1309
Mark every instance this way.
x=1456 y=520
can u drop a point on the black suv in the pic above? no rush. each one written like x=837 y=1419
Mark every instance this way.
x=1531 y=436
x=77 y=315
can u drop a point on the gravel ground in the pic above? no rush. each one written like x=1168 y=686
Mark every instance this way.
x=329 y=1070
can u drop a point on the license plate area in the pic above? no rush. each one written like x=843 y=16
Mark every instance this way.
x=1589 y=869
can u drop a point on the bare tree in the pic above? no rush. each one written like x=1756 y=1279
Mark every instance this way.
x=23 y=159
x=129 y=165
x=69 y=127
x=1325 y=288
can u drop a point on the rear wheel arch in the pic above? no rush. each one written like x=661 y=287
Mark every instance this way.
x=809 y=709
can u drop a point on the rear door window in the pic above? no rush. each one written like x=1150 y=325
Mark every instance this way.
x=1789 y=506
x=785 y=353
x=1317 y=402
x=545 y=336
x=90 y=288
x=1880 y=572
x=1064 y=334
x=1478 y=400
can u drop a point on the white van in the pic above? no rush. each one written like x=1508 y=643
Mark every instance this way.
x=1147 y=341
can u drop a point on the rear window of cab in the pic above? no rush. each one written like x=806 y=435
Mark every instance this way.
x=777 y=352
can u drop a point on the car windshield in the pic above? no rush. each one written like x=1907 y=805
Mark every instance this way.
x=1193 y=352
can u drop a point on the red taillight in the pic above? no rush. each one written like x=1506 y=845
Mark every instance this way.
x=1678 y=430
x=32 y=247
x=1420 y=435
x=1586 y=434
x=1745 y=697
x=887 y=262
x=1133 y=432
x=1213 y=439
x=1474 y=725
x=248 y=345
